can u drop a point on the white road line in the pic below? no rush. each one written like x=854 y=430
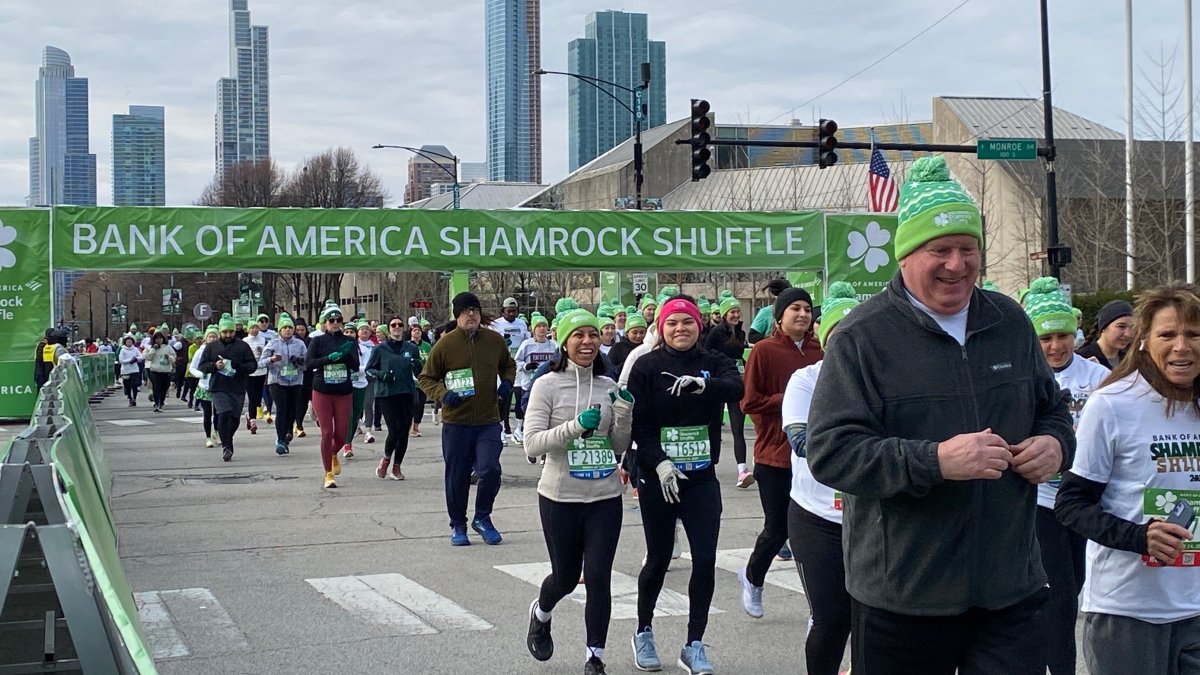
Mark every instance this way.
x=189 y=420
x=624 y=592
x=397 y=601
x=131 y=423
x=161 y=637
x=782 y=574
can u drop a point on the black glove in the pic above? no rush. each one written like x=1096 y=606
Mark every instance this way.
x=531 y=366
x=296 y=361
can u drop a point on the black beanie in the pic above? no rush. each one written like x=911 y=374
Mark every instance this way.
x=1111 y=311
x=464 y=301
x=787 y=297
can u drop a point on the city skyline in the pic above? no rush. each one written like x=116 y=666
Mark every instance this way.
x=354 y=79
x=243 y=119
x=139 y=157
x=614 y=47
x=62 y=169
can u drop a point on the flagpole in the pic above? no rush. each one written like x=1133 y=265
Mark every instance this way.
x=1130 y=243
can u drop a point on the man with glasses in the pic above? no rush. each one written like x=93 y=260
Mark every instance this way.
x=230 y=362
x=936 y=416
x=461 y=372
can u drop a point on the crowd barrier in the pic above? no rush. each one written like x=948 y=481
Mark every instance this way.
x=61 y=578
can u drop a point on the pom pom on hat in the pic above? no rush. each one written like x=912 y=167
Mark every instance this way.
x=329 y=310
x=728 y=303
x=1048 y=308
x=565 y=305
x=226 y=322
x=285 y=321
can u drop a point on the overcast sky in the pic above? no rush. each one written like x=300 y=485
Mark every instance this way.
x=359 y=72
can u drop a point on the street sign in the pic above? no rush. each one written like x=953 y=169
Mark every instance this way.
x=202 y=311
x=420 y=304
x=640 y=283
x=1006 y=148
x=1039 y=255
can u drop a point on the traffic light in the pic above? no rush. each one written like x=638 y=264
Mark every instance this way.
x=700 y=139
x=826 y=143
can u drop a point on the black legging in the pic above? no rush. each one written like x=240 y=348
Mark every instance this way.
x=505 y=407
x=519 y=410
x=131 y=384
x=581 y=538
x=160 y=384
x=817 y=544
x=737 y=424
x=418 y=407
x=206 y=405
x=189 y=389
x=286 y=399
x=305 y=397
x=699 y=509
x=254 y=393
x=1063 y=558
x=180 y=377
x=774 y=486
x=397 y=414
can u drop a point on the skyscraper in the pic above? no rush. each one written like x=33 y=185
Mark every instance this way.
x=243 y=98
x=61 y=170
x=513 y=51
x=139 y=157
x=614 y=46
x=424 y=171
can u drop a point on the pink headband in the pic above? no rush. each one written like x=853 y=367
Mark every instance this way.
x=674 y=307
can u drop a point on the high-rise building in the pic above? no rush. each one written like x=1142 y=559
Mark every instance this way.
x=243 y=98
x=61 y=168
x=424 y=171
x=513 y=51
x=614 y=47
x=139 y=157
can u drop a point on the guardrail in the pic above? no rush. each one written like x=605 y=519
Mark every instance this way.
x=60 y=572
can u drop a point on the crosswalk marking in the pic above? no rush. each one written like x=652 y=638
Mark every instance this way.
x=782 y=574
x=189 y=420
x=395 y=600
x=167 y=616
x=131 y=423
x=624 y=592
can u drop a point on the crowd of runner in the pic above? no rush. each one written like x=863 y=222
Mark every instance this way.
x=925 y=453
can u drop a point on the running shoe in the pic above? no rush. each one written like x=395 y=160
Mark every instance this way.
x=645 y=652
x=538 y=639
x=300 y=432
x=329 y=480
x=505 y=439
x=261 y=414
x=458 y=536
x=208 y=443
x=437 y=418
x=519 y=437
x=397 y=474
x=253 y=427
x=248 y=420
x=693 y=659
x=483 y=525
x=531 y=460
x=785 y=554
x=281 y=448
x=370 y=437
x=378 y=428
x=415 y=433
x=594 y=666
x=745 y=479
x=227 y=454
x=348 y=450
x=751 y=595
x=336 y=464
x=270 y=420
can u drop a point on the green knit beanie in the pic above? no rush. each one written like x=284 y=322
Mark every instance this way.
x=211 y=329
x=630 y=310
x=704 y=306
x=933 y=205
x=728 y=302
x=565 y=305
x=606 y=320
x=285 y=321
x=1021 y=293
x=635 y=320
x=647 y=301
x=329 y=310
x=839 y=300
x=572 y=321
x=226 y=322
x=1048 y=308
x=538 y=320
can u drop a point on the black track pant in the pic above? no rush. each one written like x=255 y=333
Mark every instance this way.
x=302 y=403
x=206 y=406
x=519 y=411
x=581 y=538
x=774 y=486
x=1062 y=557
x=131 y=385
x=817 y=545
x=699 y=509
x=505 y=407
x=160 y=383
x=180 y=376
x=397 y=415
x=737 y=425
x=287 y=403
x=227 y=426
x=254 y=393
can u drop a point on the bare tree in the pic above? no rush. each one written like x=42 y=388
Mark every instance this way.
x=248 y=183
x=334 y=179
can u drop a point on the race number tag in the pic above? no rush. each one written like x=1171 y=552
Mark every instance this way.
x=591 y=458
x=1160 y=503
x=335 y=373
x=461 y=382
x=687 y=447
x=289 y=371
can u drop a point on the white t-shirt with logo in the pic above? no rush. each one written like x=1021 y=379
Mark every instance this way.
x=814 y=497
x=514 y=332
x=532 y=351
x=1147 y=461
x=1080 y=378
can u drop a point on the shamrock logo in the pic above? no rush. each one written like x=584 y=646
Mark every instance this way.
x=941 y=219
x=578 y=443
x=867 y=248
x=7 y=236
x=672 y=434
x=1166 y=501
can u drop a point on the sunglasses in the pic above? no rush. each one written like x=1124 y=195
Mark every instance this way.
x=334 y=319
x=396 y=324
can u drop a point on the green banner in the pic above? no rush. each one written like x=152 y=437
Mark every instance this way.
x=861 y=250
x=621 y=285
x=24 y=304
x=812 y=281
x=392 y=240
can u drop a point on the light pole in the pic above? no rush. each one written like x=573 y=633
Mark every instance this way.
x=426 y=154
x=638 y=111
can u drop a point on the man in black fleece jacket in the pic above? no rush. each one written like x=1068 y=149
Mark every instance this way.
x=230 y=361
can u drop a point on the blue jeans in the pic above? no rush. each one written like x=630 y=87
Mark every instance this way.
x=467 y=447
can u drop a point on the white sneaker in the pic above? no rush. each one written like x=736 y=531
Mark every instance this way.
x=370 y=437
x=518 y=437
x=751 y=596
x=505 y=439
x=437 y=418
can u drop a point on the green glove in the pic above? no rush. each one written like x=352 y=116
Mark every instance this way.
x=337 y=354
x=589 y=419
x=623 y=394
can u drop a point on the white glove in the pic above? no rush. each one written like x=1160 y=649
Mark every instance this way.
x=669 y=476
x=685 y=384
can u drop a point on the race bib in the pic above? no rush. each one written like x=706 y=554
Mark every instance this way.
x=289 y=371
x=591 y=458
x=1159 y=503
x=461 y=382
x=334 y=373
x=741 y=367
x=687 y=447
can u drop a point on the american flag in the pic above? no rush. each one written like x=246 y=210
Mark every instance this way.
x=882 y=193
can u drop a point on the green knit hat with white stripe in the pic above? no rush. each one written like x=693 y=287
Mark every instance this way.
x=1048 y=308
x=573 y=320
x=538 y=319
x=839 y=300
x=226 y=322
x=211 y=329
x=933 y=205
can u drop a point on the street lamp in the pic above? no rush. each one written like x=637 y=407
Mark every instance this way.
x=639 y=98
x=426 y=154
